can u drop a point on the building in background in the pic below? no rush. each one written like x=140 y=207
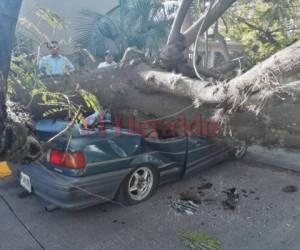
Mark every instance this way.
x=216 y=55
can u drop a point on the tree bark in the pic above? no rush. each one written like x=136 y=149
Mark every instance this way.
x=179 y=19
x=16 y=142
x=172 y=54
x=9 y=11
x=217 y=10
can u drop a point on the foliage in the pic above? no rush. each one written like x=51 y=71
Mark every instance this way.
x=24 y=73
x=24 y=77
x=93 y=30
x=200 y=241
x=139 y=23
x=58 y=102
x=263 y=26
x=197 y=8
x=27 y=28
x=51 y=18
x=91 y=101
x=24 y=82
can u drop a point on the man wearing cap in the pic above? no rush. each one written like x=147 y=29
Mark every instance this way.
x=109 y=61
x=55 y=64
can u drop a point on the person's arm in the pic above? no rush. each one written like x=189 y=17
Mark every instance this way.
x=101 y=65
x=69 y=65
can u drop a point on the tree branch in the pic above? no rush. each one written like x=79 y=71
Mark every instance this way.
x=218 y=9
x=179 y=19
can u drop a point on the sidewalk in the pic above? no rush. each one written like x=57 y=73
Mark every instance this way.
x=277 y=157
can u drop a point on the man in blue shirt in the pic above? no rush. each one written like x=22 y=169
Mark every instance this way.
x=109 y=60
x=55 y=64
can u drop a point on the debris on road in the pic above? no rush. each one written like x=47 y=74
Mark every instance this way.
x=190 y=196
x=185 y=207
x=209 y=201
x=244 y=191
x=248 y=194
x=51 y=208
x=290 y=189
x=207 y=185
x=195 y=240
x=232 y=198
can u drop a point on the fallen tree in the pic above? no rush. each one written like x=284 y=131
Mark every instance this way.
x=254 y=107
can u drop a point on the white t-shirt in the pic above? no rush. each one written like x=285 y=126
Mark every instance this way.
x=106 y=64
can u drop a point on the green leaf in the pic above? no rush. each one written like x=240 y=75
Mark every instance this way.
x=51 y=18
x=200 y=241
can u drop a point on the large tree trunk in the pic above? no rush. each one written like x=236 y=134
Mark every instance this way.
x=15 y=140
x=9 y=11
x=254 y=107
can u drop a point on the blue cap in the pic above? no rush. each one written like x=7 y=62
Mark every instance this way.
x=108 y=53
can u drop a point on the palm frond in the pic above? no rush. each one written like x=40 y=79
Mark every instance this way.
x=93 y=29
x=139 y=23
x=51 y=18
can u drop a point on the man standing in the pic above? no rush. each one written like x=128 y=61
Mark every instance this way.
x=55 y=64
x=109 y=61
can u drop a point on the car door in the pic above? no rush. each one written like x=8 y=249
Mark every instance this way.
x=202 y=152
x=171 y=153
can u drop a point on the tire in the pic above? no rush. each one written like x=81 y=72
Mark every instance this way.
x=135 y=188
x=238 y=152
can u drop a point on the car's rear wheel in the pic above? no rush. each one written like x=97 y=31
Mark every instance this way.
x=138 y=186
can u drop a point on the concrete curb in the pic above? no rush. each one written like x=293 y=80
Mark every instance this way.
x=278 y=157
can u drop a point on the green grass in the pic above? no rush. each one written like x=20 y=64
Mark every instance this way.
x=195 y=240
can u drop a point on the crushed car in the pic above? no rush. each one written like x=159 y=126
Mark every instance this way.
x=89 y=166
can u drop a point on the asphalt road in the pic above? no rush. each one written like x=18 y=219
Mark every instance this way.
x=266 y=217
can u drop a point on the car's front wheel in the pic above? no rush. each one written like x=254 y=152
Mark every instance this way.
x=138 y=186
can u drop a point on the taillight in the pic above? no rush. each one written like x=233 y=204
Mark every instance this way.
x=66 y=159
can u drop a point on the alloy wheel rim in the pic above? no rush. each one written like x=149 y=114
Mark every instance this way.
x=140 y=183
